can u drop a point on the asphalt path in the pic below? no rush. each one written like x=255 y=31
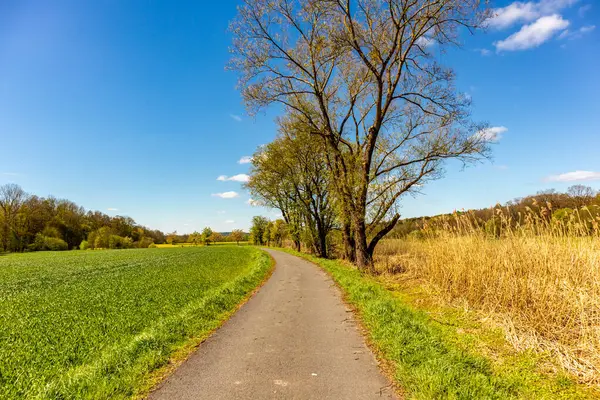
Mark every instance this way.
x=295 y=339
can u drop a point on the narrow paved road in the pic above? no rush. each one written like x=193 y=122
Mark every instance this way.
x=295 y=339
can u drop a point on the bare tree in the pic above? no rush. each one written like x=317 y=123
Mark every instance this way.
x=581 y=194
x=582 y=191
x=363 y=76
x=12 y=198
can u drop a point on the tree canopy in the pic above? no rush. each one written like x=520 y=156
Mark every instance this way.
x=361 y=76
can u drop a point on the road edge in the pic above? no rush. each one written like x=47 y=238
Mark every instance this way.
x=157 y=378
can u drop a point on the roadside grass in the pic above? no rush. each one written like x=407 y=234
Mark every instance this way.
x=102 y=324
x=536 y=277
x=436 y=352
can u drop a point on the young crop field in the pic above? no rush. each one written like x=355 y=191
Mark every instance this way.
x=96 y=324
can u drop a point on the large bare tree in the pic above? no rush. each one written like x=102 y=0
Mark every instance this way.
x=363 y=75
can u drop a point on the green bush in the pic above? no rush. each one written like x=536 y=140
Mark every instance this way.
x=562 y=215
x=84 y=245
x=144 y=242
x=152 y=246
x=127 y=243
x=45 y=243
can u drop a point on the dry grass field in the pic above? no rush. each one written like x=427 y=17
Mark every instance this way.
x=539 y=279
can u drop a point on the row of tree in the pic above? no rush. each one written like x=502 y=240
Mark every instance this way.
x=579 y=203
x=370 y=114
x=267 y=232
x=29 y=222
x=207 y=237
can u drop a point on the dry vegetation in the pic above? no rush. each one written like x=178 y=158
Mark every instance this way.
x=538 y=277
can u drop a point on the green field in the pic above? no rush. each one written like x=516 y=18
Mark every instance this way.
x=95 y=324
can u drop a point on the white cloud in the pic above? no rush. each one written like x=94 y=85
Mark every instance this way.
x=575 y=176
x=511 y=14
x=252 y=202
x=492 y=134
x=112 y=209
x=236 y=117
x=521 y=12
x=245 y=160
x=587 y=28
x=235 y=178
x=221 y=212
x=533 y=35
x=226 y=195
x=230 y=221
x=484 y=52
x=425 y=42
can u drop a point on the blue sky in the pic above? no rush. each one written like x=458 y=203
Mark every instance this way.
x=126 y=107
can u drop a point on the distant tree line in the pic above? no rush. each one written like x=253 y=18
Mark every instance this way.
x=579 y=205
x=33 y=223
x=207 y=237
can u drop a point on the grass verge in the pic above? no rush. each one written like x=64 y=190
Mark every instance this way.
x=443 y=354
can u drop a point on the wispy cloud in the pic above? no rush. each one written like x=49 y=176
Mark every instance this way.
x=578 y=34
x=230 y=221
x=492 y=134
x=575 y=176
x=484 y=52
x=221 y=212
x=226 y=195
x=245 y=160
x=10 y=174
x=523 y=12
x=252 y=202
x=533 y=35
x=235 y=178
x=236 y=117
x=584 y=9
x=112 y=209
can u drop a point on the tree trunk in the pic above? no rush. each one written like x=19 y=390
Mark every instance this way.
x=297 y=244
x=322 y=242
x=381 y=234
x=364 y=259
x=348 y=242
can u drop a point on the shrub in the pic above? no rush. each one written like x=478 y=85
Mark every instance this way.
x=152 y=246
x=126 y=243
x=45 y=243
x=144 y=242
x=84 y=245
x=115 y=242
